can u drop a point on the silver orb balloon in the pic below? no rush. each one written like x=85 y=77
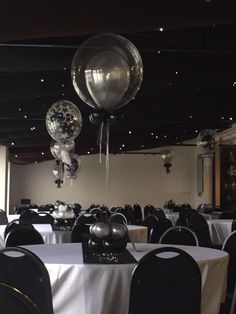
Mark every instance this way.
x=207 y=140
x=100 y=230
x=166 y=156
x=73 y=168
x=61 y=148
x=118 y=231
x=52 y=150
x=107 y=71
x=63 y=121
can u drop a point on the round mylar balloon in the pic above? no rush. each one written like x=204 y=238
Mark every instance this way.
x=66 y=147
x=72 y=168
x=63 y=121
x=107 y=71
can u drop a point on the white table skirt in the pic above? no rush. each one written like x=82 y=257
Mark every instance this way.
x=219 y=229
x=104 y=289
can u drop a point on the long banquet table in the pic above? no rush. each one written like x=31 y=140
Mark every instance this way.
x=104 y=289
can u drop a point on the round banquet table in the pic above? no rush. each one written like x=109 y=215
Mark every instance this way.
x=219 y=229
x=104 y=289
x=137 y=234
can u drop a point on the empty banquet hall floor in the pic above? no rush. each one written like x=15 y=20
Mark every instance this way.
x=104 y=289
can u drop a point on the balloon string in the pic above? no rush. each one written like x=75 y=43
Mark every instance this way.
x=107 y=155
x=100 y=141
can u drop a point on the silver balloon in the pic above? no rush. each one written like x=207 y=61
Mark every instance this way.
x=73 y=168
x=52 y=150
x=107 y=78
x=118 y=230
x=100 y=230
x=207 y=140
x=166 y=156
x=61 y=148
x=63 y=121
x=107 y=71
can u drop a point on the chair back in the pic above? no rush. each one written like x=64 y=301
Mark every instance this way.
x=87 y=219
x=161 y=226
x=229 y=246
x=159 y=213
x=179 y=235
x=138 y=214
x=233 y=226
x=28 y=215
x=199 y=225
x=151 y=222
x=23 y=270
x=130 y=214
x=166 y=280
x=148 y=210
x=43 y=218
x=3 y=217
x=185 y=213
x=15 y=224
x=80 y=233
x=23 y=235
x=15 y=302
x=46 y=208
x=118 y=217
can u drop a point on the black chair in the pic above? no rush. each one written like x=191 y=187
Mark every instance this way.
x=86 y=219
x=161 y=226
x=118 y=217
x=159 y=213
x=228 y=214
x=42 y=218
x=23 y=235
x=113 y=209
x=77 y=209
x=185 y=213
x=3 y=217
x=123 y=211
x=28 y=215
x=33 y=206
x=15 y=224
x=22 y=269
x=148 y=210
x=233 y=226
x=95 y=211
x=179 y=235
x=138 y=214
x=80 y=233
x=151 y=222
x=229 y=246
x=199 y=225
x=167 y=284
x=13 y=301
x=20 y=209
x=130 y=214
x=46 y=208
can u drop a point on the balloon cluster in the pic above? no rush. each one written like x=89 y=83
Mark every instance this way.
x=64 y=123
x=108 y=236
x=207 y=140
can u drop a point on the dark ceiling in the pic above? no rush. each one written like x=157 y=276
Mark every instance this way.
x=189 y=70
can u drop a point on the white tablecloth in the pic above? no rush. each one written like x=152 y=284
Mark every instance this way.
x=172 y=217
x=219 y=229
x=104 y=289
x=137 y=234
